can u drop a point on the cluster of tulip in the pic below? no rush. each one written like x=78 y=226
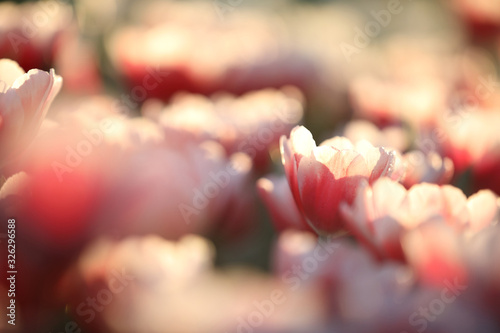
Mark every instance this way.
x=159 y=170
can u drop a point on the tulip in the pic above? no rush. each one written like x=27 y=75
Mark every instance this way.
x=191 y=49
x=24 y=101
x=385 y=211
x=278 y=198
x=322 y=177
x=170 y=286
x=428 y=168
x=251 y=123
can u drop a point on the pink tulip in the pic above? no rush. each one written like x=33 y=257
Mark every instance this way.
x=276 y=194
x=322 y=177
x=436 y=254
x=124 y=176
x=383 y=212
x=77 y=61
x=415 y=102
x=300 y=258
x=181 y=46
x=472 y=140
x=251 y=123
x=428 y=168
x=29 y=31
x=393 y=137
x=24 y=101
x=464 y=265
x=366 y=296
x=481 y=17
x=172 y=286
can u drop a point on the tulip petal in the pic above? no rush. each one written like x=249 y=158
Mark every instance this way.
x=23 y=108
x=338 y=142
x=423 y=195
x=388 y=196
x=455 y=206
x=276 y=194
x=484 y=210
x=9 y=72
x=300 y=144
x=325 y=179
x=302 y=141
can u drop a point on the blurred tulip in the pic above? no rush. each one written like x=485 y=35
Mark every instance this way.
x=471 y=140
x=365 y=296
x=203 y=54
x=77 y=61
x=94 y=172
x=462 y=266
x=300 y=259
x=416 y=103
x=163 y=285
x=390 y=298
x=427 y=168
x=24 y=101
x=481 y=17
x=379 y=300
x=29 y=31
x=252 y=123
x=467 y=141
x=390 y=137
x=136 y=179
x=437 y=254
x=51 y=226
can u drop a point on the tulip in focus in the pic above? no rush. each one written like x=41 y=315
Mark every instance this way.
x=321 y=177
